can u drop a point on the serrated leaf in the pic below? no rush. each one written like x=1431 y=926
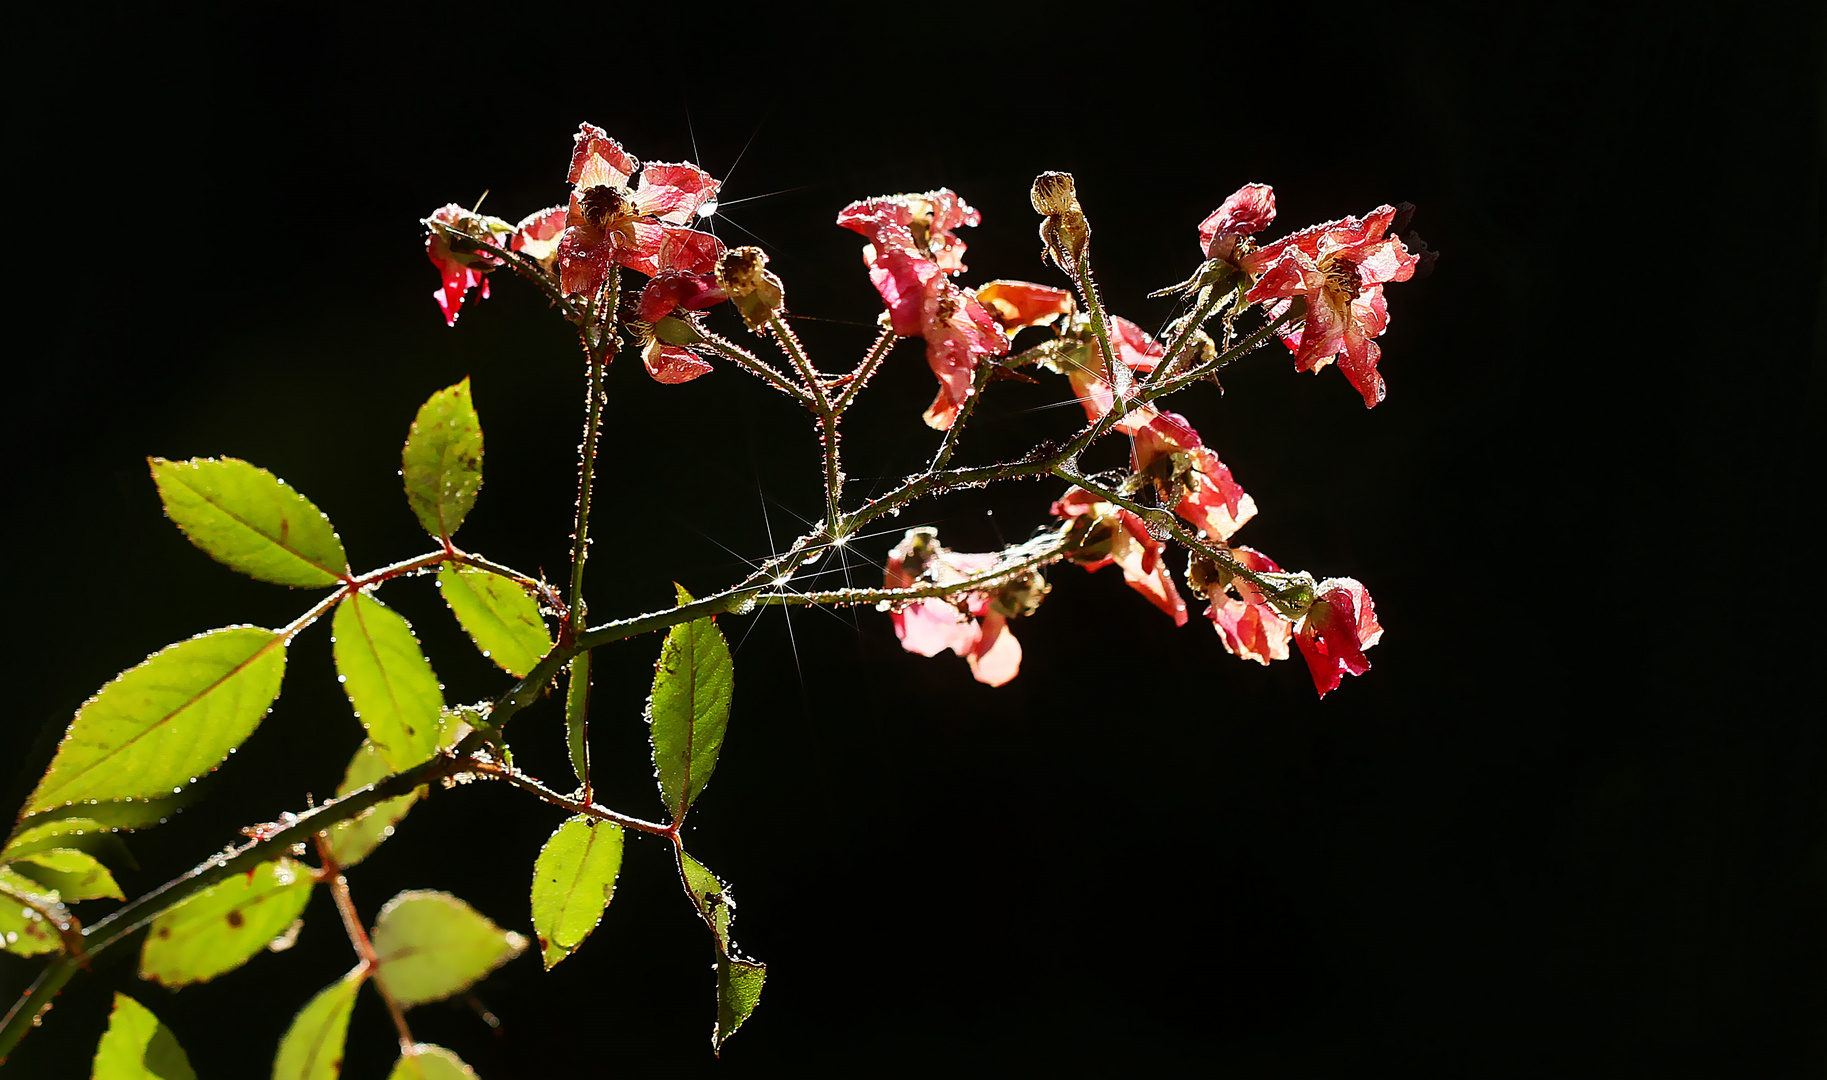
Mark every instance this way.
x=427 y=1062
x=738 y=980
x=499 y=617
x=137 y=1046
x=23 y=930
x=312 y=1048
x=573 y=881
x=395 y=693
x=225 y=925
x=442 y=461
x=577 y=718
x=157 y=726
x=431 y=945
x=250 y=520
x=738 y=991
x=689 y=709
x=74 y=875
x=352 y=841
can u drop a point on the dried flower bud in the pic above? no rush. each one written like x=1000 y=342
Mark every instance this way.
x=754 y=291
x=1020 y=596
x=1054 y=193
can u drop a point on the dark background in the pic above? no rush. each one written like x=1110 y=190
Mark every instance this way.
x=1573 y=820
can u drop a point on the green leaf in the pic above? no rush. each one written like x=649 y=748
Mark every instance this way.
x=395 y=693
x=427 y=1062
x=312 y=1048
x=72 y=874
x=738 y=991
x=577 y=718
x=157 y=726
x=23 y=930
x=123 y=815
x=499 y=616
x=573 y=881
x=225 y=925
x=739 y=980
x=442 y=462
x=249 y=520
x=352 y=841
x=689 y=709
x=137 y=1046
x=84 y=834
x=432 y=945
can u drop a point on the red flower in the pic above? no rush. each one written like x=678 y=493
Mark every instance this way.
x=911 y=251
x=454 y=246
x=1115 y=535
x=1250 y=209
x=1340 y=267
x=537 y=235
x=642 y=229
x=1336 y=630
x=1248 y=625
x=1188 y=476
x=972 y=625
x=663 y=336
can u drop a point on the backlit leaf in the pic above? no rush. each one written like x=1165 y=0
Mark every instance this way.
x=225 y=925
x=73 y=875
x=79 y=833
x=428 y=1062
x=739 y=980
x=689 y=709
x=312 y=1048
x=23 y=930
x=351 y=841
x=250 y=520
x=573 y=881
x=577 y=718
x=395 y=693
x=137 y=1046
x=499 y=616
x=157 y=726
x=738 y=991
x=432 y=945
x=442 y=462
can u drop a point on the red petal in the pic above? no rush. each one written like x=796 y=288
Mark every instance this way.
x=671 y=364
x=1249 y=209
x=674 y=192
x=598 y=159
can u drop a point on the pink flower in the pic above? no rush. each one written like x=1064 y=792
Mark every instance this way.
x=912 y=250
x=1250 y=209
x=643 y=228
x=665 y=336
x=1188 y=476
x=1115 y=535
x=973 y=625
x=537 y=235
x=1340 y=267
x=1135 y=350
x=1336 y=630
x=461 y=265
x=1248 y=625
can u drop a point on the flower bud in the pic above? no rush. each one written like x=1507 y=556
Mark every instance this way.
x=1054 y=193
x=754 y=291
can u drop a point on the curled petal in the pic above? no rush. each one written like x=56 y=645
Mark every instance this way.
x=537 y=234
x=671 y=364
x=673 y=192
x=995 y=657
x=1250 y=209
x=659 y=247
x=1340 y=625
x=596 y=159
x=1019 y=304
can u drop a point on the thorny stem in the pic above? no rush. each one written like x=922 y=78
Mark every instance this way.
x=979 y=379
x=1209 y=300
x=600 y=352
x=1236 y=352
x=754 y=365
x=789 y=344
x=1100 y=327
x=516 y=778
x=332 y=875
x=872 y=360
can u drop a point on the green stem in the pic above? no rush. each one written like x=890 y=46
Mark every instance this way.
x=600 y=352
x=789 y=344
x=1179 y=382
x=1209 y=301
x=754 y=365
x=979 y=379
x=872 y=360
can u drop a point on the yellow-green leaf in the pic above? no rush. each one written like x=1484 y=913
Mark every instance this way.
x=689 y=710
x=225 y=925
x=442 y=461
x=738 y=991
x=137 y=1046
x=160 y=725
x=351 y=841
x=250 y=520
x=312 y=1048
x=431 y=945
x=74 y=875
x=577 y=718
x=739 y=980
x=573 y=881
x=427 y=1062
x=23 y=930
x=499 y=616
x=395 y=693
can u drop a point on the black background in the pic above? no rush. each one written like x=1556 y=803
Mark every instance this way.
x=1573 y=820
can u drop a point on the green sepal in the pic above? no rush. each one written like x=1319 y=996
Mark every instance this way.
x=225 y=925
x=442 y=460
x=499 y=617
x=431 y=945
x=250 y=520
x=159 y=725
x=137 y=1046
x=689 y=709
x=395 y=693
x=573 y=882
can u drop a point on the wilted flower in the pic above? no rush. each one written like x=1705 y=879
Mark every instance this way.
x=1248 y=624
x=1105 y=533
x=641 y=228
x=1336 y=630
x=974 y=625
